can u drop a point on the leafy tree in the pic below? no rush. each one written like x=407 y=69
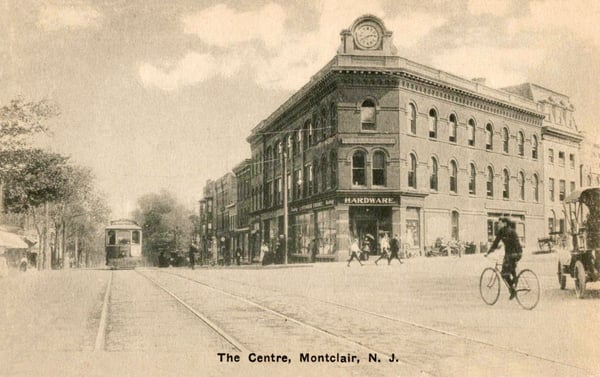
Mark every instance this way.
x=20 y=120
x=165 y=223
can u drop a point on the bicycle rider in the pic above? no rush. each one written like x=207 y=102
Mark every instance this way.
x=512 y=251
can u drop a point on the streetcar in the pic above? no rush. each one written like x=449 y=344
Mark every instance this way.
x=123 y=244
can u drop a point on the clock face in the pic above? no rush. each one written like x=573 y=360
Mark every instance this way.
x=367 y=36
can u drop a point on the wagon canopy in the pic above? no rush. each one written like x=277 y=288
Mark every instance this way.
x=590 y=196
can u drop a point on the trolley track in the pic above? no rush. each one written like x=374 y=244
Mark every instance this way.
x=136 y=318
x=373 y=314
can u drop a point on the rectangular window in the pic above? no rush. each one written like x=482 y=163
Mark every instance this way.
x=550 y=225
x=561 y=189
x=551 y=188
x=572 y=161
x=572 y=186
x=453 y=187
x=551 y=156
x=561 y=158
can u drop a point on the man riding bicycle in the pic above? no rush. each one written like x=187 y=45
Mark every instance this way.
x=512 y=251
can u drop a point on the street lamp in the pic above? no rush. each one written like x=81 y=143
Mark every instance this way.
x=283 y=153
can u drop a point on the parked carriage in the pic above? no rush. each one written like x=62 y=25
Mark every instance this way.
x=123 y=244
x=582 y=259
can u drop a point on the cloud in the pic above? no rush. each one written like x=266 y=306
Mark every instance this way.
x=191 y=69
x=552 y=15
x=500 y=66
x=54 y=18
x=492 y=7
x=410 y=29
x=277 y=55
x=222 y=26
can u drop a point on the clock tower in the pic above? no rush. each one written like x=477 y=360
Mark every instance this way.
x=367 y=37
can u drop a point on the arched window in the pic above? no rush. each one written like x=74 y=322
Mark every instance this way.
x=536 y=188
x=433 y=177
x=521 y=143
x=453 y=126
x=297 y=142
x=333 y=169
x=472 y=180
x=412 y=118
x=412 y=172
x=307 y=134
x=489 y=137
x=433 y=124
x=521 y=186
x=490 y=182
x=505 y=140
x=379 y=168
x=359 y=162
x=317 y=131
x=324 y=124
x=505 y=184
x=367 y=115
x=589 y=180
x=333 y=118
x=534 y=147
x=471 y=132
x=269 y=163
x=455 y=229
x=453 y=177
x=324 y=173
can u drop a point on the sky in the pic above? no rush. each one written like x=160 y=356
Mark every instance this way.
x=162 y=94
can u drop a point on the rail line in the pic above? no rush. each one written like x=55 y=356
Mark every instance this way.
x=377 y=315
x=337 y=337
x=230 y=339
x=101 y=335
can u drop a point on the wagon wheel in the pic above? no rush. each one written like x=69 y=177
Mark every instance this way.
x=579 y=279
x=562 y=278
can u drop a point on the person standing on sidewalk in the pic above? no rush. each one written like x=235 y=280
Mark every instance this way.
x=191 y=255
x=384 y=244
x=354 y=252
x=394 y=249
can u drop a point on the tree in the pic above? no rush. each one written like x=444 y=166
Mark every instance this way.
x=20 y=120
x=165 y=223
x=33 y=179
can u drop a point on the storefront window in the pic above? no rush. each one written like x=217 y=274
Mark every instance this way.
x=326 y=232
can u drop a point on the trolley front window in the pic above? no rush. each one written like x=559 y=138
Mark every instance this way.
x=135 y=237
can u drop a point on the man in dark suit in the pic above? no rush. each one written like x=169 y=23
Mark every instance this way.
x=512 y=251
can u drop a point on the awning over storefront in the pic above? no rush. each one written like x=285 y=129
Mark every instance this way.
x=10 y=240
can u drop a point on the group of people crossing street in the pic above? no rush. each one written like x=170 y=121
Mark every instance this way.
x=389 y=250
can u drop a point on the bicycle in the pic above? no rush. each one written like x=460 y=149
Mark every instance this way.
x=527 y=286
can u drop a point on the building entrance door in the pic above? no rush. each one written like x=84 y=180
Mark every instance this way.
x=368 y=224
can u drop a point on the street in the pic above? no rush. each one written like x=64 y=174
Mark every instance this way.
x=424 y=317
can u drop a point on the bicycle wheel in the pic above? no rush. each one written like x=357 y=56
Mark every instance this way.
x=489 y=286
x=528 y=289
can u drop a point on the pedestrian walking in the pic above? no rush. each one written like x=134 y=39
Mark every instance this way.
x=238 y=255
x=264 y=253
x=366 y=249
x=191 y=255
x=384 y=244
x=354 y=252
x=394 y=249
